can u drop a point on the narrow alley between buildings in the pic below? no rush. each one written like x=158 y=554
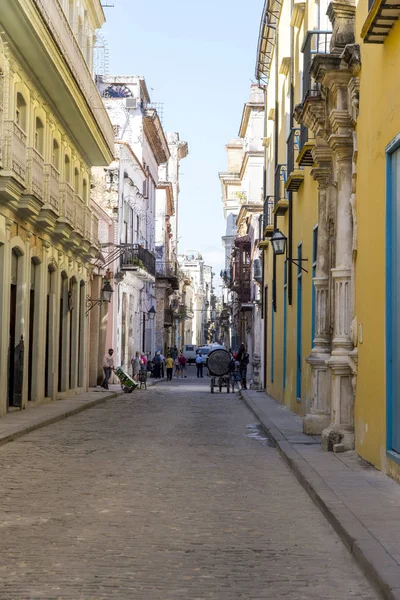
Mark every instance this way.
x=163 y=494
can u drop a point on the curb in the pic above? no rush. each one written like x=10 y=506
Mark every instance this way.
x=382 y=571
x=51 y=420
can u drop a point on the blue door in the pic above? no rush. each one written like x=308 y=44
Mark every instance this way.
x=299 y=322
x=393 y=298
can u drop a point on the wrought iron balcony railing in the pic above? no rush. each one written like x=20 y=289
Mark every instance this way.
x=315 y=42
x=168 y=317
x=137 y=256
x=293 y=147
x=269 y=211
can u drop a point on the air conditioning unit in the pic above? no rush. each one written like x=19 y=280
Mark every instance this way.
x=131 y=103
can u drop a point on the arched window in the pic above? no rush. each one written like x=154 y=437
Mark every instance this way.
x=20 y=111
x=55 y=158
x=39 y=135
x=76 y=180
x=67 y=169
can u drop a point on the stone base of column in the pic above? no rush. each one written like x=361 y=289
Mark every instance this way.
x=337 y=439
x=339 y=436
x=319 y=416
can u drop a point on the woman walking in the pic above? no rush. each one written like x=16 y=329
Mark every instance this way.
x=136 y=366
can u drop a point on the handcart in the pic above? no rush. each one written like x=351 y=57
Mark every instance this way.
x=128 y=384
x=219 y=365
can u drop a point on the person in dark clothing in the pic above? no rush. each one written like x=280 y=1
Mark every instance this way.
x=157 y=365
x=243 y=360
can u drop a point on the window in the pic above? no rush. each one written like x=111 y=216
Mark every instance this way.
x=20 y=111
x=145 y=189
x=67 y=169
x=55 y=158
x=39 y=135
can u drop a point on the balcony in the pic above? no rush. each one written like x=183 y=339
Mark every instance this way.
x=139 y=260
x=168 y=317
x=66 y=220
x=315 y=42
x=280 y=195
x=295 y=174
x=43 y=36
x=14 y=160
x=94 y=230
x=382 y=15
x=168 y=270
x=79 y=220
x=51 y=193
x=33 y=197
x=241 y=269
x=269 y=216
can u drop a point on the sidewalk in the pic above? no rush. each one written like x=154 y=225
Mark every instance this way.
x=361 y=503
x=19 y=422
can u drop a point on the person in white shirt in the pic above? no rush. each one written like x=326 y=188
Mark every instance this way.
x=108 y=366
x=199 y=365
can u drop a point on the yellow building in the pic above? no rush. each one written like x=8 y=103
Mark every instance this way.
x=54 y=128
x=377 y=406
x=308 y=63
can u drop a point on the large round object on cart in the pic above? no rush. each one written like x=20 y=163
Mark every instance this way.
x=218 y=362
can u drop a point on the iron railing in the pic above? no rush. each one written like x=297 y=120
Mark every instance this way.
x=137 y=256
x=280 y=181
x=268 y=211
x=293 y=147
x=315 y=42
x=166 y=268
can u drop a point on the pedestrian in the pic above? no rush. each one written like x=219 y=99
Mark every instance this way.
x=199 y=365
x=135 y=366
x=170 y=367
x=108 y=367
x=157 y=366
x=243 y=359
x=235 y=373
x=182 y=364
x=162 y=358
x=174 y=352
x=177 y=367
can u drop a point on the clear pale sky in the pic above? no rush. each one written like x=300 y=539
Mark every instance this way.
x=198 y=58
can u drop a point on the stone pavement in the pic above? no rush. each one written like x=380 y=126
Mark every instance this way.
x=361 y=503
x=19 y=422
x=171 y=494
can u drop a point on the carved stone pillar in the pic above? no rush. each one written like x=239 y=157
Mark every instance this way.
x=319 y=416
x=339 y=435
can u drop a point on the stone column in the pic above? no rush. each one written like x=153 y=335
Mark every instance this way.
x=339 y=435
x=319 y=416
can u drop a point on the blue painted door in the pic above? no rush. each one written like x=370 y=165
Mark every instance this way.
x=299 y=322
x=393 y=301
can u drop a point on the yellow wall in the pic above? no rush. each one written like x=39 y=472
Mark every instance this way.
x=378 y=123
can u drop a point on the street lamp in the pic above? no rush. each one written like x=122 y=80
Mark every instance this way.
x=151 y=314
x=279 y=245
x=106 y=294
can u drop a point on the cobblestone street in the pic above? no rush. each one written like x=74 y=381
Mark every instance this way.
x=162 y=494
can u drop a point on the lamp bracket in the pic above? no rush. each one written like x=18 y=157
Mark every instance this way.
x=91 y=303
x=296 y=261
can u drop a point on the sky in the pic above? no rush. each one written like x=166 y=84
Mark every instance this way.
x=198 y=59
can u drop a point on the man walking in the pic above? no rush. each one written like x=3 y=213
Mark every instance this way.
x=243 y=359
x=170 y=367
x=108 y=366
x=199 y=365
x=182 y=365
